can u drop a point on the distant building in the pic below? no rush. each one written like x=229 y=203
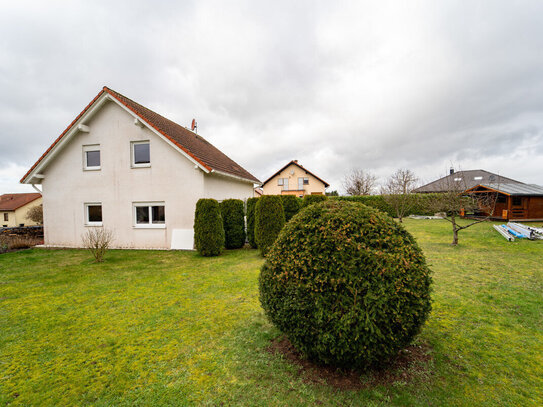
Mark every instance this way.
x=515 y=200
x=468 y=179
x=293 y=179
x=14 y=209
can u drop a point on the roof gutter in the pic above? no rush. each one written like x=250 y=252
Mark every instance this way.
x=225 y=174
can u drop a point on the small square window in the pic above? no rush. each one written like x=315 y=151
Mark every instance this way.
x=93 y=214
x=91 y=157
x=517 y=201
x=141 y=154
x=149 y=215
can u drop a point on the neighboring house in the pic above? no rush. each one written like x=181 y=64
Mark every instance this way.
x=122 y=166
x=293 y=179
x=515 y=201
x=466 y=179
x=14 y=209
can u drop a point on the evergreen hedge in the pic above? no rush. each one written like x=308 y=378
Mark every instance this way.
x=233 y=217
x=420 y=207
x=251 y=203
x=291 y=206
x=311 y=199
x=346 y=284
x=208 y=228
x=269 y=220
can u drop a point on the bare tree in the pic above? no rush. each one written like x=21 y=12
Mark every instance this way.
x=455 y=202
x=98 y=242
x=359 y=182
x=397 y=192
x=35 y=214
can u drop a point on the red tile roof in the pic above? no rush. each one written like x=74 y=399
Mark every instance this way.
x=203 y=152
x=295 y=162
x=11 y=202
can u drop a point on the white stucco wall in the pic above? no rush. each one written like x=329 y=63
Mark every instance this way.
x=171 y=179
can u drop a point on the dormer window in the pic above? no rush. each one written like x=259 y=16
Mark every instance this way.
x=91 y=157
x=477 y=178
x=458 y=179
x=141 y=154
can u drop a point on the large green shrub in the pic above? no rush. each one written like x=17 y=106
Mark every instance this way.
x=208 y=228
x=269 y=220
x=233 y=217
x=251 y=203
x=311 y=199
x=291 y=206
x=346 y=284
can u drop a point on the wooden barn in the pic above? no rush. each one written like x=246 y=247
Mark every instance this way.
x=515 y=201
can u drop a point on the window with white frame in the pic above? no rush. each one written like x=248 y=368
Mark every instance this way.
x=149 y=215
x=93 y=214
x=91 y=157
x=302 y=181
x=283 y=182
x=141 y=153
x=477 y=178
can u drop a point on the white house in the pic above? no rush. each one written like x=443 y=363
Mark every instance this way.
x=122 y=166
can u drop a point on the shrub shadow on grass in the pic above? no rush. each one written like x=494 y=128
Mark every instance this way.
x=412 y=363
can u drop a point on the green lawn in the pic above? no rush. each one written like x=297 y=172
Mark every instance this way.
x=172 y=328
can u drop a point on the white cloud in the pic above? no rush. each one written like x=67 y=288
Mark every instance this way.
x=336 y=85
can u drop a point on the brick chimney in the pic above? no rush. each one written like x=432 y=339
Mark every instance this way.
x=451 y=171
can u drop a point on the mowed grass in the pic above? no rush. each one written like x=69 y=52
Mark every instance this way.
x=173 y=328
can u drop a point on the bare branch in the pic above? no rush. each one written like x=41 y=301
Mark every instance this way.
x=359 y=182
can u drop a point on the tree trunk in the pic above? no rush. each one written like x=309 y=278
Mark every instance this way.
x=455 y=231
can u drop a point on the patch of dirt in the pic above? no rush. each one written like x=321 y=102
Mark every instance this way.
x=411 y=362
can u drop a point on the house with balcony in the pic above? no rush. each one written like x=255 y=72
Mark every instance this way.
x=294 y=179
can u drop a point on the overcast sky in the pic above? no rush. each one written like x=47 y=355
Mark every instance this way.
x=337 y=85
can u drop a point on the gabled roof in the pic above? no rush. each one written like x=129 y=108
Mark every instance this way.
x=469 y=179
x=512 y=189
x=295 y=162
x=11 y=202
x=207 y=156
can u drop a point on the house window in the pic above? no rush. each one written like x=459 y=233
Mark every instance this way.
x=283 y=182
x=458 y=179
x=302 y=181
x=149 y=215
x=141 y=154
x=501 y=198
x=91 y=157
x=477 y=178
x=6 y=217
x=517 y=201
x=93 y=214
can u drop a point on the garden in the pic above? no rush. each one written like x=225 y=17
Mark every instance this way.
x=177 y=328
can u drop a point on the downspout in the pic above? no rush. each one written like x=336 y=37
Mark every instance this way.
x=36 y=188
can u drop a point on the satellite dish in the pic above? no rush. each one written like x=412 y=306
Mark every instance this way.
x=194 y=125
x=291 y=172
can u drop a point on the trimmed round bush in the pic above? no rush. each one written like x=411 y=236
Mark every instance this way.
x=251 y=203
x=233 y=217
x=208 y=228
x=346 y=284
x=291 y=206
x=269 y=220
x=311 y=199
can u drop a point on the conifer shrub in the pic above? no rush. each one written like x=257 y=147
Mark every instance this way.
x=291 y=206
x=346 y=284
x=233 y=217
x=251 y=203
x=311 y=199
x=208 y=228
x=269 y=220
